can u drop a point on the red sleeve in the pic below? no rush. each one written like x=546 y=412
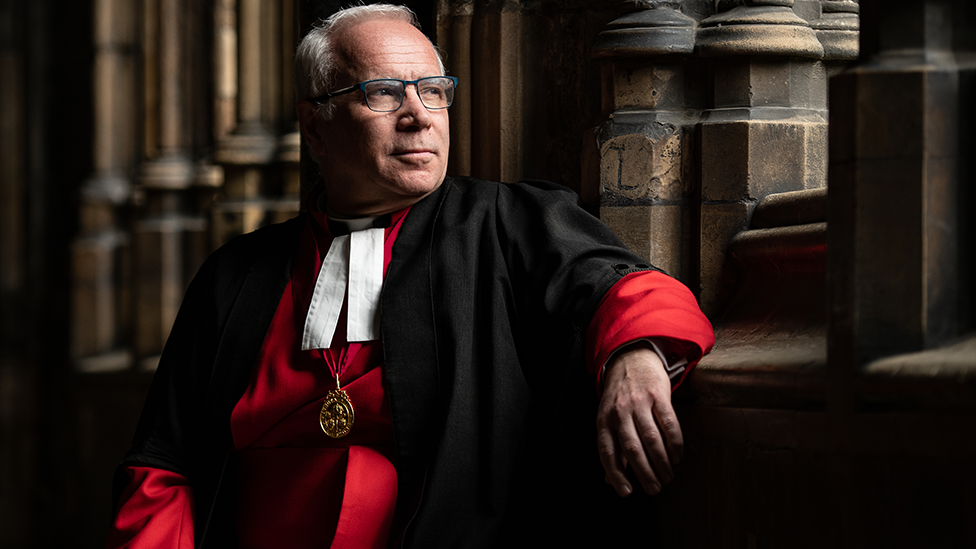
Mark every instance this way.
x=649 y=304
x=155 y=511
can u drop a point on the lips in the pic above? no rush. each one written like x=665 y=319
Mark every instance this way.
x=419 y=157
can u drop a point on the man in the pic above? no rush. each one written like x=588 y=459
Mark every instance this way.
x=380 y=371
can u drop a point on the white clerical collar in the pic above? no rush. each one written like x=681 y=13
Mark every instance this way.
x=355 y=258
x=352 y=224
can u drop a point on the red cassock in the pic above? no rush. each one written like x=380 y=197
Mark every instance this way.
x=300 y=488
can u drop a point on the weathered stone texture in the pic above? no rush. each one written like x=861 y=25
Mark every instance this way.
x=644 y=166
x=656 y=233
x=897 y=159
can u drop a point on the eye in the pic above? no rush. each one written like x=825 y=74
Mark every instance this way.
x=432 y=91
x=384 y=89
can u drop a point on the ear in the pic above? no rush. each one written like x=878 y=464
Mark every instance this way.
x=311 y=126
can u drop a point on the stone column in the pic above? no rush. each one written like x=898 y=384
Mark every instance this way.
x=837 y=29
x=166 y=232
x=766 y=130
x=248 y=152
x=100 y=253
x=496 y=119
x=290 y=140
x=647 y=192
x=225 y=68
x=901 y=183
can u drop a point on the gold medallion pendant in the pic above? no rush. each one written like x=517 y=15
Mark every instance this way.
x=337 y=415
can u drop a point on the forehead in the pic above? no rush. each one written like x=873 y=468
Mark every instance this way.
x=377 y=49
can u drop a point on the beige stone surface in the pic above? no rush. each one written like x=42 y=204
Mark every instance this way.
x=236 y=217
x=241 y=182
x=642 y=86
x=656 y=233
x=758 y=30
x=637 y=166
x=93 y=301
x=720 y=222
x=159 y=282
x=749 y=159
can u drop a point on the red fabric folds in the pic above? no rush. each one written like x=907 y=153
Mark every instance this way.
x=281 y=489
x=299 y=488
x=648 y=304
x=368 y=501
x=155 y=511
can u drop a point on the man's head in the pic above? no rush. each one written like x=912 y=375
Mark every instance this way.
x=372 y=162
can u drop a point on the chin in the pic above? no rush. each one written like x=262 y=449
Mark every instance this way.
x=418 y=186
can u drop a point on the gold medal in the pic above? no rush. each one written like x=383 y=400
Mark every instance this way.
x=337 y=415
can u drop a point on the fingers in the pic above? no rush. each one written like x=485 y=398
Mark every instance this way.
x=637 y=427
x=654 y=470
x=638 y=445
x=648 y=442
x=674 y=441
x=613 y=462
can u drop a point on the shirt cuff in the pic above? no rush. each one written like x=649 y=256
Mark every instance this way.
x=673 y=367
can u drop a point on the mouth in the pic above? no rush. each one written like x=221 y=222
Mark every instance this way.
x=415 y=156
x=414 y=152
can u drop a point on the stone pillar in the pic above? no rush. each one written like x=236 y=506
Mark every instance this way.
x=837 y=29
x=225 y=68
x=290 y=137
x=766 y=130
x=495 y=120
x=901 y=238
x=647 y=192
x=251 y=145
x=100 y=252
x=167 y=234
x=260 y=156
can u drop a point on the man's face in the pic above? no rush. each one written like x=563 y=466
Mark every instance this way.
x=379 y=162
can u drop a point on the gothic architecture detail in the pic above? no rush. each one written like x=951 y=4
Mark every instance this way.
x=259 y=155
x=901 y=183
x=645 y=148
x=837 y=30
x=138 y=135
x=194 y=142
x=731 y=106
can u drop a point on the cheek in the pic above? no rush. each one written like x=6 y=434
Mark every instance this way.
x=374 y=141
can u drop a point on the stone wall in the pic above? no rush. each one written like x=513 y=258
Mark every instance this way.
x=835 y=409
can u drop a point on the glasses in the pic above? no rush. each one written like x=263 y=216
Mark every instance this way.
x=386 y=94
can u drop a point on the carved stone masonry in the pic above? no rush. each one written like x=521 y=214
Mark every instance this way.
x=708 y=115
x=647 y=194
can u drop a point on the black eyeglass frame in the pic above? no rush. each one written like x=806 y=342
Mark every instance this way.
x=362 y=86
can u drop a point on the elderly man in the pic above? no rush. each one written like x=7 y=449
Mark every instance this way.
x=374 y=372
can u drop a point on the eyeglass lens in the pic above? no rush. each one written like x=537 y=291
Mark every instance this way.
x=387 y=95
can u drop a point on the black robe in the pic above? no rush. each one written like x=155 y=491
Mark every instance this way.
x=484 y=310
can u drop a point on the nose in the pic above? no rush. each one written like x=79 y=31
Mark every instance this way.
x=412 y=113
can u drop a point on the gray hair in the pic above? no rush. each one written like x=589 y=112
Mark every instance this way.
x=315 y=58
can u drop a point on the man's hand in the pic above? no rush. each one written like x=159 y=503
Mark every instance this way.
x=635 y=423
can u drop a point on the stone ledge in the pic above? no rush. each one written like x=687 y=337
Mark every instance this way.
x=786 y=373
x=939 y=379
x=780 y=371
